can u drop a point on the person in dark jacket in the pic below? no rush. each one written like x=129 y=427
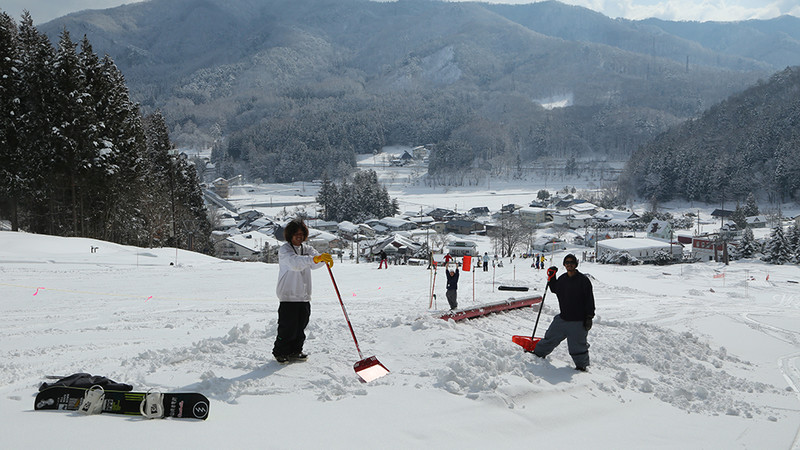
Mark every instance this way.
x=576 y=303
x=384 y=263
x=452 y=285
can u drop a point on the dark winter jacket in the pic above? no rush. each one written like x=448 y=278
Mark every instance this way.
x=452 y=280
x=575 y=297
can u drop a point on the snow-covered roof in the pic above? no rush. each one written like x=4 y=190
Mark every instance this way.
x=623 y=244
x=348 y=227
x=611 y=214
x=319 y=235
x=756 y=219
x=393 y=222
x=532 y=210
x=583 y=207
x=254 y=240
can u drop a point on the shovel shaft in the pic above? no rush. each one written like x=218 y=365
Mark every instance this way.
x=541 y=305
x=353 y=333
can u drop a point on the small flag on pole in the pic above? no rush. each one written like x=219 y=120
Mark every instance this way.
x=467 y=264
x=767 y=277
x=720 y=275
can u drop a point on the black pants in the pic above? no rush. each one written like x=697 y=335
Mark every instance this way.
x=292 y=322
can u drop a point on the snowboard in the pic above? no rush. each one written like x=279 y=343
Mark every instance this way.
x=184 y=405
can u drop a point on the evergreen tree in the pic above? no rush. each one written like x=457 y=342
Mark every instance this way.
x=75 y=139
x=328 y=198
x=748 y=247
x=777 y=249
x=12 y=157
x=360 y=200
x=751 y=206
x=793 y=237
x=36 y=143
x=124 y=146
x=158 y=202
x=76 y=158
x=739 y=217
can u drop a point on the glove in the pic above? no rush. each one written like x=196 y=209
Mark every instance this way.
x=551 y=273
x=587 y=323
x=325 y=257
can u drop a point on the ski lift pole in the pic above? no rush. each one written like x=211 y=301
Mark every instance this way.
x=473 y=286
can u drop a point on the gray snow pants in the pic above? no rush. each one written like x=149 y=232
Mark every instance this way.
x=576 y=336
x=451 y=295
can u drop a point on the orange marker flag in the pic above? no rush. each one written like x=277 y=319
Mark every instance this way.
x=467 y=264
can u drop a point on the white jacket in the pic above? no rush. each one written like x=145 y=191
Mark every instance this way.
x=294 y=275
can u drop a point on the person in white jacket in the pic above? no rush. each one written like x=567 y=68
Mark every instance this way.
x=296 y=259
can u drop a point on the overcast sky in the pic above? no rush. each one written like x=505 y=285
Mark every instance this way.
x=701 y=10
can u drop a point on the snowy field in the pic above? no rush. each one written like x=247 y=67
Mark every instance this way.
x=680 y=358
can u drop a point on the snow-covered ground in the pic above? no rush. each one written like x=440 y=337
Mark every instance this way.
x=680 y=358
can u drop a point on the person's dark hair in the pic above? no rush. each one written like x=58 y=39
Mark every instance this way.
x=293 y=227
x=571 y=257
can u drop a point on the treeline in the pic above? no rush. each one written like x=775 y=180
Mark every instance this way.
x=77 y=158
x=301 y=134
x=748 y=143
x=357 y=200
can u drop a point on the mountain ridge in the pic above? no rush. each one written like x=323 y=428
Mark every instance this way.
x=218 y=69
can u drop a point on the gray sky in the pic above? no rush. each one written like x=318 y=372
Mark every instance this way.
x=701 y=10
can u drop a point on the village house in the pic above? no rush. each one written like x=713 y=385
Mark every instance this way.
x=221 y=187
x=709 y=248
x=395 y=224
x=460 y=226
x=324 y=225
x=659 y=229
x=323 y=241
x=348 y=230
x=535 y=216
x=643 y=249
x=571 y=220
x=462 y=248
x=548 y=244
x=722 y=214
x=421 y=221
x=439 y=214
x=757 y=221
x=245 y=247
x=479 y=211
x=583 y=208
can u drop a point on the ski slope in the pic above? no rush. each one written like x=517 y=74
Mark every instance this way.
x=680 y=359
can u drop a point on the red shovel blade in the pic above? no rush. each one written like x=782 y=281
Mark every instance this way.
x=370 y=369
x=526 y=342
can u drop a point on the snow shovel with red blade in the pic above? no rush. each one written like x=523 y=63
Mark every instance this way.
x=367 y=369
x=529 y=342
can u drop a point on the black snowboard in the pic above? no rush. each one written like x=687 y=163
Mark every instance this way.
x=187 y=405
x=513 y=288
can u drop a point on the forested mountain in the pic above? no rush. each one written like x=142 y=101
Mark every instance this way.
x=748 y=143
x=291 y=89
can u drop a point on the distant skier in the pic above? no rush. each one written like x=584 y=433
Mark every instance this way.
x=576 y=303
x=447 y=259
x=452 y=286
x=485 y=261
x=295 y=259
x=383 y=263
